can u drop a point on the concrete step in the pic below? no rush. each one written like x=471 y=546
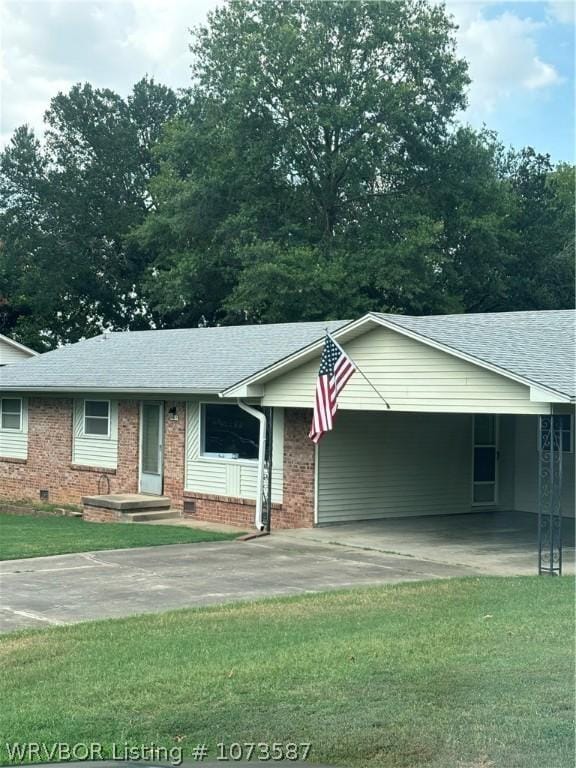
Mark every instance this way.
x=150 y=515
x=128 y=502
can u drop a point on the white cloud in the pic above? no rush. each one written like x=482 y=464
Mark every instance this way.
x=159 y=35
x=156 y=33
x=503 y=56
x=26 y=84
x=48 y=45
x=541 y=76
x=562 y=11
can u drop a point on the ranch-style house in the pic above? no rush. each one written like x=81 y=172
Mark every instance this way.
x=447 y=418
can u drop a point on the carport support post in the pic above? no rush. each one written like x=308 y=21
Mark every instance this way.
x=549 y=489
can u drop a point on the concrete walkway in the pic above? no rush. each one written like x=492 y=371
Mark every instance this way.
x=493 y=543
x=63 y=589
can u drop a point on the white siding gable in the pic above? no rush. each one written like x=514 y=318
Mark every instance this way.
x=412 y=376
x=11 y=354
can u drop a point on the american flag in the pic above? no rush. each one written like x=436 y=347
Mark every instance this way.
x=335 y=370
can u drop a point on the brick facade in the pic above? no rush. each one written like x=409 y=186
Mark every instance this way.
x=221 y=509
x=49 y=466
x=299 y=470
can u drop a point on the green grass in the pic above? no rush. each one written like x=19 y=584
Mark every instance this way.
x=470 y=673
x=22 y=536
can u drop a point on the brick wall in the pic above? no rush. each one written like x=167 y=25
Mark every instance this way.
x=49 y=466
x=174 y=452
x=127 y=476
x=299 y=471
x=49 y=463
x=221 y=509
x=101 y=515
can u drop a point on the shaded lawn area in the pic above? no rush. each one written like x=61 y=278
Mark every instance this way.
x=467 y=673
x=22 y=536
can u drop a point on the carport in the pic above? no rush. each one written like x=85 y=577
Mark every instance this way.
x=433 y=466
x=457 y=423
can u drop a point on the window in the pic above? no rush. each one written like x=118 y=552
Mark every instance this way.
x=97 y=418
x=228 y=432
x=11 y=413
x=563 y=423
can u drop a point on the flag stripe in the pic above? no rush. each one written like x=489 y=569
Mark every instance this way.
x=336 y=368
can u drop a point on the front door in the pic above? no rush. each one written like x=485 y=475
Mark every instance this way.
x=151 y=438
x=485 y=460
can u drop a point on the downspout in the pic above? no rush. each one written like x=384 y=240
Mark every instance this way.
x=261 y=458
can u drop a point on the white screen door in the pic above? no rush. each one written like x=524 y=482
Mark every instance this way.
x=485 y=462
x=151 y=435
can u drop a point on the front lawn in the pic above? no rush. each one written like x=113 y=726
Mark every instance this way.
x=22 y=536
x=470 y=673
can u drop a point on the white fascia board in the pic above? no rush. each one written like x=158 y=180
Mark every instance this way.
x=243 y=391
x=293 y=360
x=538 y=395
x=469 y=358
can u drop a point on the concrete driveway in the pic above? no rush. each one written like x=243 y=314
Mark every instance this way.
x=493 y=543
x=64 y=589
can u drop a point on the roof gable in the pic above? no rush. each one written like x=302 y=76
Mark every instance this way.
x=401 y=373
x=533 y=348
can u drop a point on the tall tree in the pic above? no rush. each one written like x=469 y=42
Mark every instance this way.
x=316 y=169
x=469 y=197
x=66 y=208
x=321 y=118
x=542 y=272
x=357 y=93
x=23 y=220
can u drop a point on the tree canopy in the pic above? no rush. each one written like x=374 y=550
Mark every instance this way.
x=67 y=269
x=314 y=169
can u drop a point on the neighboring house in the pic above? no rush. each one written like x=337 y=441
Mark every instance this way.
x=13 y=352
x=171 y=412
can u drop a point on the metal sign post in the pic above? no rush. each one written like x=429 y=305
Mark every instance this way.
x=549 y=490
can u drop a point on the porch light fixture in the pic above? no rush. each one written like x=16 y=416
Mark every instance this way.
x=172 y=414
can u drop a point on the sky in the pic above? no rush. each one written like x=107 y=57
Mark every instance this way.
x=520 y=55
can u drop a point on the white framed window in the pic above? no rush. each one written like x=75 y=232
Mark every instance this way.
x=563 y=422
x=228 y=432
x=11 y=414
x=97 y=418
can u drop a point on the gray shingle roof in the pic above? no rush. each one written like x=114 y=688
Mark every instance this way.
x=183 y=360
x=537 y=346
